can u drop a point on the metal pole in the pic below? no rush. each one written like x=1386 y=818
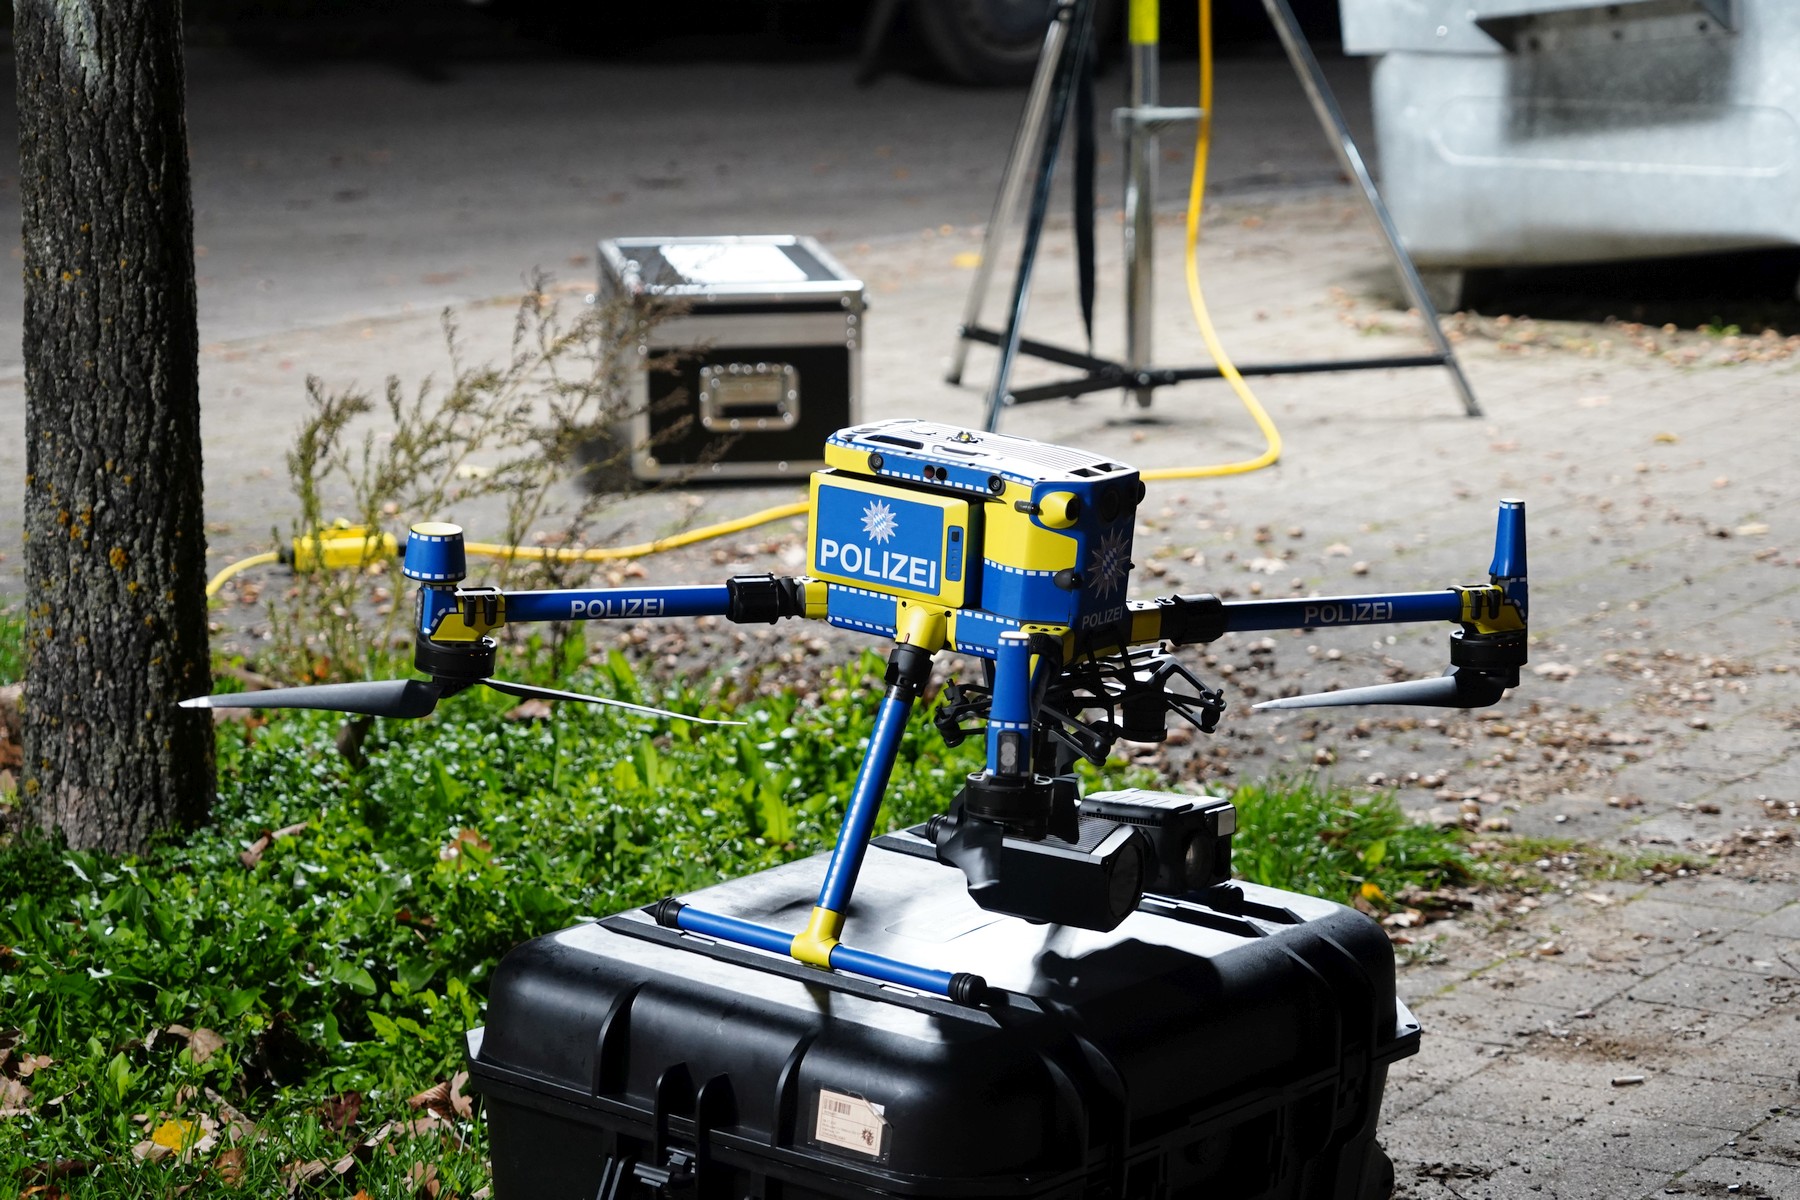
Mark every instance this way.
x=1012 y=184
x=1331 y=118
x=1140 y=196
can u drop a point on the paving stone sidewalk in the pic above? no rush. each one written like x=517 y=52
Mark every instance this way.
x=1632 y=1037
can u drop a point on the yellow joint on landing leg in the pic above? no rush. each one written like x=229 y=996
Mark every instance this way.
x=920 y=625
x=814 y=944
x=817 y=595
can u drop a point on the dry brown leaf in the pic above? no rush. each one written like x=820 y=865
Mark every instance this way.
x=32 y=1062
x=341 y=1111
x=425 y=1123
x=203 y=1043
x=59 y=1168
x=530 y=710
x=461 y=838
x=15 y=1098
x=240 y=1127
x=149 y=1151
x=424 y=1178
x=460 y=1103
x=299 y=1174
x=254 y=852
x=436 y=1098
x=229 y=1166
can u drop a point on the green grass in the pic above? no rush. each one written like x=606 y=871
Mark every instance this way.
x=351 y=955
x=1305 y=835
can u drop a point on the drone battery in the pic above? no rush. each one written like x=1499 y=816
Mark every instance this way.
x=1238 y=1050
x=756 y=361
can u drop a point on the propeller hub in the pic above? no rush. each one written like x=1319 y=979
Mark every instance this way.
x=462 y=662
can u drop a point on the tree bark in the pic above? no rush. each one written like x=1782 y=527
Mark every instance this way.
x=115 y=539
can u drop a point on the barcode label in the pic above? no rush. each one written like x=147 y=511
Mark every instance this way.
x=851 y=1123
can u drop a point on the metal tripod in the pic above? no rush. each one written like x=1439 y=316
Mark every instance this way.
x=1039 y=135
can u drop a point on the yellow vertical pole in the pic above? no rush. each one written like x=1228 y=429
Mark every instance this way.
x=1140 y=193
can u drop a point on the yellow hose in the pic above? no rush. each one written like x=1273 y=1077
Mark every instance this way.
x=1197 y=301
x=641 y=549
x=243 y=564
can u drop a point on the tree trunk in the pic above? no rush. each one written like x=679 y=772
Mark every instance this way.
x=115 y=541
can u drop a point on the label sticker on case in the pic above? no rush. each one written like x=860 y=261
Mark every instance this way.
x=850 y=1123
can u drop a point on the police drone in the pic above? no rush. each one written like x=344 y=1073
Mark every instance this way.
x=1014 y=553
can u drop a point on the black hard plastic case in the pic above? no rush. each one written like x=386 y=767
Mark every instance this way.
x=1229 y=1051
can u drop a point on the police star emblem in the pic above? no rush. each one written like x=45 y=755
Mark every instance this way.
x=1109 y=563
x=879 y=522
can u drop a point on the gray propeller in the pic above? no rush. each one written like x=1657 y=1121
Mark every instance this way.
x=1455 y=688
x=409 y=698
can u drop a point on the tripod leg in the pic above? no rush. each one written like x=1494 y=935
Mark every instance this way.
x=1012 y=183
x=874 y=36
x=1079 y=16
x=1281 y=14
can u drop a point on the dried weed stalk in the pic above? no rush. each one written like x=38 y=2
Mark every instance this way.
x=500 y=443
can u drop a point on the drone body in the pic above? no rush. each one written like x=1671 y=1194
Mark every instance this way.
x=1000 y=532
x=1017 y=554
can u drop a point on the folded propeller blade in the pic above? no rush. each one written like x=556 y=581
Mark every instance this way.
x=1453 y=689
x=374 y=698
x=529 y=690
x=408 y=698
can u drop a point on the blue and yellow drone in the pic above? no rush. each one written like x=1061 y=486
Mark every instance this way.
x=1016 y=553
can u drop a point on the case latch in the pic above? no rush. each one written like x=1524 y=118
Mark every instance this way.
x=623 y=1177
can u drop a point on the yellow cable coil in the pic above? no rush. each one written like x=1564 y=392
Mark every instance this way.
x=243 y=564
x=641 y=549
